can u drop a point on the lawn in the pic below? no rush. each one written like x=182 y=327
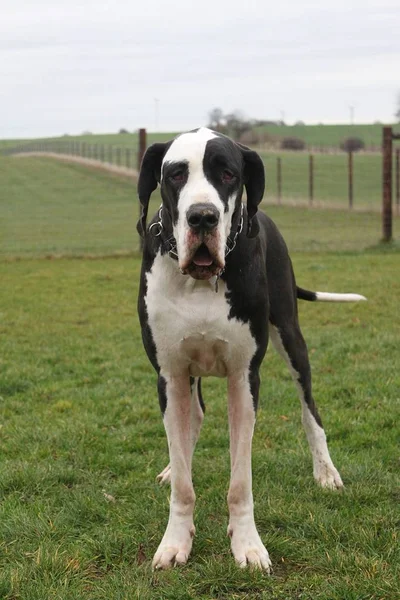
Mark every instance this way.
x=81 y=436
x=53 y=208
x=331 y=185
x=82 y=441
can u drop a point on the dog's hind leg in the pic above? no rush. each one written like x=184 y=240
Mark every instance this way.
x=290 y=344
x=196 y=419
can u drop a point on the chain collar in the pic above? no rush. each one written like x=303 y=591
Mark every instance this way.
x=157 y=228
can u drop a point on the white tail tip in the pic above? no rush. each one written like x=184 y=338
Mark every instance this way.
x=328 y=297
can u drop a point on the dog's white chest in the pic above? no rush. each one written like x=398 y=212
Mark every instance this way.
x=190 y=325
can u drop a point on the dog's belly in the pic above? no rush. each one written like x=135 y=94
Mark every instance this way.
x=190 y=325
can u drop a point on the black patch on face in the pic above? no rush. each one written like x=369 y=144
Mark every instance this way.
x=223 y=168
x=174 y=177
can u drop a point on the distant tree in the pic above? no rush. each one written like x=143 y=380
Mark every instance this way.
x=292 y=143
x=299 y=123
x=236 y=124
x=215 y=118
x=87 y=133
x=352 y=144
x=123 y=130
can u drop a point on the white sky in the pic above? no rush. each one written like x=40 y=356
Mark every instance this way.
x=72 y=65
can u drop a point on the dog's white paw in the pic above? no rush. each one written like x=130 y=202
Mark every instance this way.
x=248 y=549
x=175 y=546
x=165 y=476
x=327 y=476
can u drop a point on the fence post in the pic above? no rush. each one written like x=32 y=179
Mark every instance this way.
x=118 y=156
x=387 y=184
x=128 y=158
x=102 y=153
x=350 y=180
x=311 y=179
x=279 y=179
x=398 y=182
x=142 y=146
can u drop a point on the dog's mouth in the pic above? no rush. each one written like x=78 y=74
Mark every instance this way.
x=203 y=264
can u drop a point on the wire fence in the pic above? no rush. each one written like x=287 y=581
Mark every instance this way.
x=102 y=153
x=66 y=214
x=351 y=180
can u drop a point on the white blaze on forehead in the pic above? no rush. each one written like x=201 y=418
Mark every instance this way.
x=190 y=147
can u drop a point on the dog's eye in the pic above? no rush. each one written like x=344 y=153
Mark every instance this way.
x=178 y=177
x=227 y=176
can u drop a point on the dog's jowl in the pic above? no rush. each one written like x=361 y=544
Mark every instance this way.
x=216 y=284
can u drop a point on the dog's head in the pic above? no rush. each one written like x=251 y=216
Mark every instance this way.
x=202 y=175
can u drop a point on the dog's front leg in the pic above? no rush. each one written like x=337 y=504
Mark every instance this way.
x=246 y=544
x=176 y=544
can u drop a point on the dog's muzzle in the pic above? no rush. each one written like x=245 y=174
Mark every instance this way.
x=202 y=239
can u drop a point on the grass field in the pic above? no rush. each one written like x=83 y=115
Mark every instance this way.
x=51 y=208
x=331 y=136
x=81 y=436
x=82 y=441
x=319 y=136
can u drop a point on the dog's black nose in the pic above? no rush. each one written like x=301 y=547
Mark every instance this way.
x=202 y=217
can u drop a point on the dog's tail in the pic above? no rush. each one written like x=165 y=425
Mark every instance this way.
x=327 y=296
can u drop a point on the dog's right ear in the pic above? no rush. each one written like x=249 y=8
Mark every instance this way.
x=149 y=177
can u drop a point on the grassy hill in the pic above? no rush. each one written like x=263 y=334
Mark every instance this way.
x=318 y=136
x=322 y=136
x=50 y=208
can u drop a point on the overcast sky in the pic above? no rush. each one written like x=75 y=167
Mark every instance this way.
x=72 y=65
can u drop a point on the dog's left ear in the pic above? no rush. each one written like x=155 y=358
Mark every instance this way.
x=254 y=182
x=149 y=177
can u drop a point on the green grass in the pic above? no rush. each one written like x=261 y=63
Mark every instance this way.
x=331 y=136
x=330 y=178
x=81 y=437
x=318 y=136
x=53 y=208
x=125 y=140
x=79 y=419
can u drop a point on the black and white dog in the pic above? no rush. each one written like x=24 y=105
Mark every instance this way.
x=216 y=283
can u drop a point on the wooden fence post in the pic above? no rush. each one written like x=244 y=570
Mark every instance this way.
x=311 y=179
x=387 y=184
x=350 y=172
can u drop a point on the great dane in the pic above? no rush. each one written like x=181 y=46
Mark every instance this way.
x=216 y=283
